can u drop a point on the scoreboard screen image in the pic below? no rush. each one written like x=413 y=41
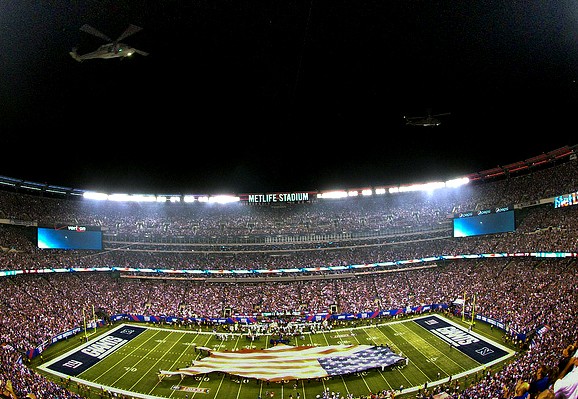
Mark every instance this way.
x=489 y=221
x=69 y=237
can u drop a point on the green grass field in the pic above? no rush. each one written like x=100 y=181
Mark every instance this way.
x=132 y=369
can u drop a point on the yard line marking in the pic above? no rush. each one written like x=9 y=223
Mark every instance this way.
x=437 y=350
x=219 y=387
x=198 y=355
x=344 y=383
x=400 y=372
x=416 y=348
x=380 y=372
x=266 y=346
x=158 y=360
x=140 y=360
x=303 y=389
x=311 y=339
x=241 y=384
x=183 y=376
x=360 y=374
x=130 y=353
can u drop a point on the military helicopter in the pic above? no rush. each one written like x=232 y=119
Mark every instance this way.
x=427 y=120
x=113 y=49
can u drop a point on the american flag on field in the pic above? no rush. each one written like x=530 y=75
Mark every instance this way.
x=285 y=362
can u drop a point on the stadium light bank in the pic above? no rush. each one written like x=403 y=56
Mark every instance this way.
x=224 y=199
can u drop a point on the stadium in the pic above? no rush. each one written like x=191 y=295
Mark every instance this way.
x=461 y=289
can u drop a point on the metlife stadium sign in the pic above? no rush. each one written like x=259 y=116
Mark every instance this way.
x=270 y=198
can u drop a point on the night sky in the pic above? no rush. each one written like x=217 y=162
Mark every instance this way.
x=240 y=96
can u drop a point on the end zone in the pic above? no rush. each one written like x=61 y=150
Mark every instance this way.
x=82 y=358
x=471 y=344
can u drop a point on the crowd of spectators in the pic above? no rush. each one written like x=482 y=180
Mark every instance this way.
x=525 y=293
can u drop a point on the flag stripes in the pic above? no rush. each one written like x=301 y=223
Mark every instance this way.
x=285 y=362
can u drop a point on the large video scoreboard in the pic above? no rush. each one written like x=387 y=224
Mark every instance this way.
x=486 y=221
x=62 y=236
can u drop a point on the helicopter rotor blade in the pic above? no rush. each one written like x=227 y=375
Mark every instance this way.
x=140 y=52
x=89 y=29
x=131 y=30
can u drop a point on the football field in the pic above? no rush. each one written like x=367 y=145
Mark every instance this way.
x=128 y=359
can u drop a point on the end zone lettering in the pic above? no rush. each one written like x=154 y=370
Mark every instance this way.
x=80 y=359
x=474 y=346
x=455 y=336
x=104 y=346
